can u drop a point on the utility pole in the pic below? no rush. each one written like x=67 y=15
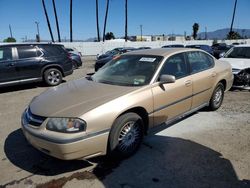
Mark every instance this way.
x=141 y=31
x=57 y=25
x=10 y=31
x=126 y=20
x=47 y=18
x=38 y=34
x=235 y=4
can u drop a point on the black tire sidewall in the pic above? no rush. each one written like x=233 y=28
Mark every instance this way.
x=115 y=131
x=46 y=74
x=212 y=105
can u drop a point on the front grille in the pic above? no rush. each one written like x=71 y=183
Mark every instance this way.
x=33 y=119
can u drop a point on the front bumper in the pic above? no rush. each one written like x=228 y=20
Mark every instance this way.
x=86 y=147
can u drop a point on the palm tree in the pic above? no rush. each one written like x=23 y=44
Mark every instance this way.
x=97 y=21
x=195 y=30
x=126 y=20
x=47 y=18
x=57 y=25
x=105 y=22
x=71 y=36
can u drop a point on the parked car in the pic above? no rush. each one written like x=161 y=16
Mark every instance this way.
x=219 y=48
x=174 y=46
x=204 y=47
x=76 y=60
x=144 y=48
x=108 y=56
x=111 y=111
x=25 y=63
x=74 y=51
x=239 y=58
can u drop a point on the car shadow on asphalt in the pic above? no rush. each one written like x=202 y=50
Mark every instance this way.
x=162 y=161
x=24 y=156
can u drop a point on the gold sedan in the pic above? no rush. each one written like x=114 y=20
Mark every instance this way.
x=112 y=110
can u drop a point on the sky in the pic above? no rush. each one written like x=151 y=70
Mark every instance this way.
x=155 y=16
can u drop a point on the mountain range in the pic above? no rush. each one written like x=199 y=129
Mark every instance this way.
x=222 y=33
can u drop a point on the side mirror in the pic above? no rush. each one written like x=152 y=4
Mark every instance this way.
x=165 y=78
x=222 y=54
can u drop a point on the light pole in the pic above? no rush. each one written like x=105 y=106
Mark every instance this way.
x=38 y=34
x=10 y=31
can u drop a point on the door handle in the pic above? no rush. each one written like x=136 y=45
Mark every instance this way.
x=188 y=83
x=213 y=74
x=11 y=65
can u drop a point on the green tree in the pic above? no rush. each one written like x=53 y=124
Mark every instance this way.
x=195 y=30
x=9 y=39
x=233 y=35
x=109 y=36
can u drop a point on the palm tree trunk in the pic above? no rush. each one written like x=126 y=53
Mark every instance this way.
x=97 y=21
x=71 y=35
x=126 y=20
x=105 y=22
x=57 y=25
x=232 y=23
x=47 y=18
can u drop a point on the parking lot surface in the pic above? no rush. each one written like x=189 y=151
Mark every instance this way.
x=206 y=149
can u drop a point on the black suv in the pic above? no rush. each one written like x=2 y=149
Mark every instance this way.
x=23 y=63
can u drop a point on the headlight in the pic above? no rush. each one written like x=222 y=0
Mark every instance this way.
x=66 y=125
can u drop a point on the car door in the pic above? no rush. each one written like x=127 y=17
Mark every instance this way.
x=29 y=62
x=203 y=76
x=7 y=65
x=173 y=99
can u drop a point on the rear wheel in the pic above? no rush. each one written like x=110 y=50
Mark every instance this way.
x=126 y=135
x=217 y=97
x=53 y=77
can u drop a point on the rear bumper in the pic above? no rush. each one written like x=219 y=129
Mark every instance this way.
x=66 y=73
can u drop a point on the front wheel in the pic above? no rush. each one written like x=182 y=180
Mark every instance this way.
x=126 y=135
x=217 y=97
x=52 y=77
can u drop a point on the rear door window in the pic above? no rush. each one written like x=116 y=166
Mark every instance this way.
x=199 y=61
x=5 y=54
x=26 y=52
x=52 y=50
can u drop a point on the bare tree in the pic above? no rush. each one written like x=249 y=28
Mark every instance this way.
x=97 y=21
x=126 y=20
x=48 y=22
x=71 y=34
x=105 y=21
x=57 y=25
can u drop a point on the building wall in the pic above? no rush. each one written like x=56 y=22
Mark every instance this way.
x=94 y=48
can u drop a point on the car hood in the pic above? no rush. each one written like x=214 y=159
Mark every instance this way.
x=75 y=98
x=237 y=63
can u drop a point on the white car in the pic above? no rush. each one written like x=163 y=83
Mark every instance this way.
x=239 y=58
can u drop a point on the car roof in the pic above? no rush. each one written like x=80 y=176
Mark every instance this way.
x=242 y=45
x=29 y=44
x=161 y=51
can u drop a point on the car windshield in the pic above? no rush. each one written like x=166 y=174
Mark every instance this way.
x=238 y=52
x=128 y=70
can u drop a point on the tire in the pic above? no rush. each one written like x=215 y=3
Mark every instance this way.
x=126 y=135
x=217 y=97
x=52 y=77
